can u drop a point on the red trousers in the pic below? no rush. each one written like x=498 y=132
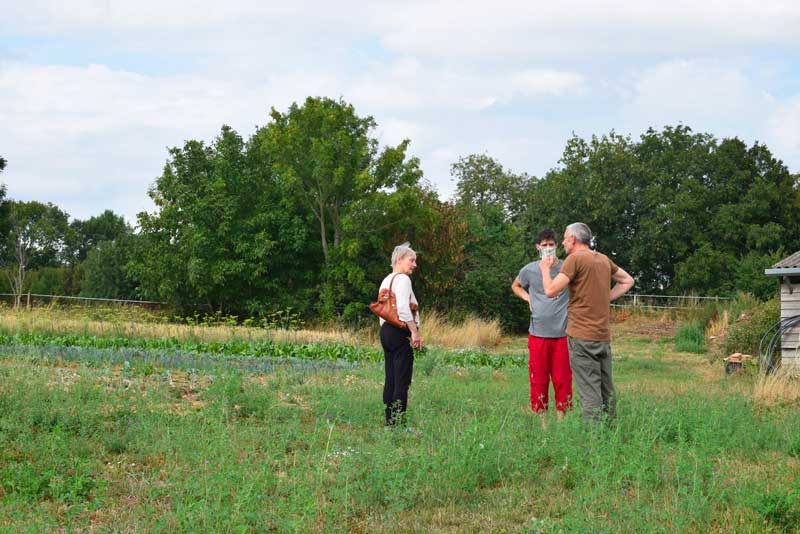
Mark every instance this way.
x=549 y=356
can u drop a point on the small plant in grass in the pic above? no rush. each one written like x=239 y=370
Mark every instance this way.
x=781 y=507
x=690 y=338
x=426 y=360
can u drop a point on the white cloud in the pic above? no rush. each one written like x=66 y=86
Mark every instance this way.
x=586 y=30
x=510 y=78
x=546 y=82
x=685 y=90
x=783 y=132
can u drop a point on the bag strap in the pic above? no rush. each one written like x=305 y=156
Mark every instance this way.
x=390 y=289
x=392 y=282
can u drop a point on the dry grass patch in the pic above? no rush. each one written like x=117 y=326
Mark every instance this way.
x=472 y=332
x=653 y=326
x=44 y=321
x=780 y=387
x=718 y=326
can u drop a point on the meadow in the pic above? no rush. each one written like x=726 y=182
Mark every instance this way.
x=111 y=425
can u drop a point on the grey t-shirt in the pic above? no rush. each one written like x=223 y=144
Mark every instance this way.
x=548 y=316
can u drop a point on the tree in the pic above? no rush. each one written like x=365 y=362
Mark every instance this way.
x=493 y=204
x=4 y=205
x=85 y=235
x=677 y=209
x=373 y=226
x=105 y=270
x=36 y=240
x=481 y=181
x=325 y=151
x=226 y=234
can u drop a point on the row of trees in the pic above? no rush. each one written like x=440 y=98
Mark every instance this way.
x=304 y=213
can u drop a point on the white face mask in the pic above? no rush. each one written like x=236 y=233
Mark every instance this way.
x=547 y=251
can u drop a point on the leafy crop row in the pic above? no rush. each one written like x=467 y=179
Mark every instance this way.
x=332 y=352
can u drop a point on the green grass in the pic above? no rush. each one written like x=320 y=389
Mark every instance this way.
x=690 y=337
x=145 y=448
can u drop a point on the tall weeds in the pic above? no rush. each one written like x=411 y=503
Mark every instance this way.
x=472 y=332
x=780 y=387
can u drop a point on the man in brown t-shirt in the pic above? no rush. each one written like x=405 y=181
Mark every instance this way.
x=588 y=274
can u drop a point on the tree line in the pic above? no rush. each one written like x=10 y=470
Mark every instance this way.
x=303 y=214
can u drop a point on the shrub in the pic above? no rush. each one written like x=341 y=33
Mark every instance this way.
x=746 y=332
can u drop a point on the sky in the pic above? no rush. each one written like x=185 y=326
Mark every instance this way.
x=93 y=93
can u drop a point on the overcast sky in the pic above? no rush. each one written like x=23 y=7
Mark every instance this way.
x=92 y=93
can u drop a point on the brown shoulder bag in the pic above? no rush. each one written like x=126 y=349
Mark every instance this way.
x=386 y=306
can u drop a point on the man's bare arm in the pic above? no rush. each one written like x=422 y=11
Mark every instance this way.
x=519 y=291
x=624 y=283
x=552 y=286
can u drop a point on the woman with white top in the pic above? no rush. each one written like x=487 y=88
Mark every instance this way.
x=398 y=349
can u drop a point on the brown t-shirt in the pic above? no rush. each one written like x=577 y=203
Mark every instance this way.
x=589 y=276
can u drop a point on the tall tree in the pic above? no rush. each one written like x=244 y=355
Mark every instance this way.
x=493 y=204
x=327 y=153
x=225 y=234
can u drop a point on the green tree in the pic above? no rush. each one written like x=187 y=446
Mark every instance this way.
x=374 y=225
x=494 y=204
x=225 y=234
x=85 y=235
x=481 y=181
x=50 y=281
x=675 y=208
x=327 y=155
x=36 y=240
x=600 y=183
x=105 y=270
x=5 y=221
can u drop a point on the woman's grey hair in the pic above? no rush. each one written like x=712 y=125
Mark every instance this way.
x=581 y=232
x=401 y=251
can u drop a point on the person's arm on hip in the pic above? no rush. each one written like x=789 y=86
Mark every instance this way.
x=519 y=291
x=624 y=283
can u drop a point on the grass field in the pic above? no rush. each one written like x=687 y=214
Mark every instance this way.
x=93 y=446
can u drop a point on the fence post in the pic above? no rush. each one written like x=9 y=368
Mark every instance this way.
x=634 y=300
x=28 y=303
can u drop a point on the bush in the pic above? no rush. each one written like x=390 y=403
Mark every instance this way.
x=690 y=337
x=746 y=332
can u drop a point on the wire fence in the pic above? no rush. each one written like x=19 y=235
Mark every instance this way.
x=664 y=302
x=636 y=300
x=29 y=299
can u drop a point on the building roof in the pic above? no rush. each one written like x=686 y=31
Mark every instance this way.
x=787 y=266
x=788 y=263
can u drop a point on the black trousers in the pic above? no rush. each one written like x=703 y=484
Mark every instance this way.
x=399 y=364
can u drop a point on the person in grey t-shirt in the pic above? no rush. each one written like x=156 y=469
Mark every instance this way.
x=547 y=339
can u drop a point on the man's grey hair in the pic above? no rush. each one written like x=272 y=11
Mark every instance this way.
x=581 y=232
x=401 y=251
